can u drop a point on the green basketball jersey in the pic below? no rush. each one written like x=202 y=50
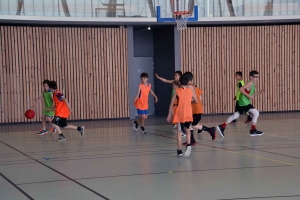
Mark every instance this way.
x=238 y=92
x=243 y=100
x=48 y=103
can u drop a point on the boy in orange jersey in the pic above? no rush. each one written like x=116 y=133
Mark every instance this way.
x=141 y=102
x=183 y=113
x=197 y=112
x=62 y=112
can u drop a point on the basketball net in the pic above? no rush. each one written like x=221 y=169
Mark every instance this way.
x=181 y=20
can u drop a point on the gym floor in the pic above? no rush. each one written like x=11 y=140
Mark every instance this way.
x=113 y=162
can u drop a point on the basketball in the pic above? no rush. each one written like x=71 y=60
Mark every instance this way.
x=29 y=114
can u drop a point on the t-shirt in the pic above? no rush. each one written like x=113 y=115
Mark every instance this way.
x=61 y=107
x=244 y=100
x=142 y=102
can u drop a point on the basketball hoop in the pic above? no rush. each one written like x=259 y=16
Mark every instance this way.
x=181 y=18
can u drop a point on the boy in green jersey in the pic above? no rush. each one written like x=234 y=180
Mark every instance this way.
x=240 y=83
x=244 y=105
x=48 y=112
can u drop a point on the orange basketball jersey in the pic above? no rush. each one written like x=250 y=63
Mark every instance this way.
x=61 y=108
x=184 y=112
x=198 y=107
x=142 y=102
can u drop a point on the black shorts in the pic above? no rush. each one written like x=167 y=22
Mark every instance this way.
x=196 y=119
x=59 y=121
x=186 y=124
x=243 y=109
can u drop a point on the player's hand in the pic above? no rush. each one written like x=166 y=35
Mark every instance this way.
x=156 y=75
x=134 y=100
x=156 y=100
x=251 y=97
x=169 y=118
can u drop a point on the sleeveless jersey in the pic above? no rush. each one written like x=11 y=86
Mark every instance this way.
x=184 y=112
x=61 y=108
x=48 y=103
x=142 y=102
x=243 y=100
x=197 y=108
x=238 y=92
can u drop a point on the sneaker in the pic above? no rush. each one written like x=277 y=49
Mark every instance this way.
x=199 y=131
x=249 y=119
x=135 y=125
x=174 y=126
x=61 y=138
x=233 y=122
x=256 y=133
x=179 y=152
x=42 y=132
x=221 y=130
x=81 y=131
x=188 y=151
x=193 y=143
x=143 y=130
x=52 y=131
x=212 y=133
x=183 y=135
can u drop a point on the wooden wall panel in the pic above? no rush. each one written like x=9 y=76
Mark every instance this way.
x=93 y=62
x=214 y=54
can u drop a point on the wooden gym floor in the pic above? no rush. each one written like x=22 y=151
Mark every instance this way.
x=113 y=162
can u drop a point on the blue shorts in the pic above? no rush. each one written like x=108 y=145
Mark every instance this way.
x=142 y=112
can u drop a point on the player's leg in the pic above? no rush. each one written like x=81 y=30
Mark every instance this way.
x=44 y=129
x=254 y=131
x=221 y=128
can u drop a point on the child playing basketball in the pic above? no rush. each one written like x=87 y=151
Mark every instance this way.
x=141 y=102
x=240 y=83
x=244 y=105
x=62 y=112
x=48 y=113
x=183 y=114
x=197 y=109
x=177 y=75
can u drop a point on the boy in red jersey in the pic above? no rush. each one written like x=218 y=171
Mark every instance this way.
x=62 y=112
x=141 y=102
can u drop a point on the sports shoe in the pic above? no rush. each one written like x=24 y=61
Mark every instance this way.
x=135 y=125
x=199 y=131
x=52 y=131
x=256 y=133
x=212 y=133
x=183 y=135
x=61 y=138
x=221 y=130
x=42 y=132
x=233 y=122
x=179 y=152
x=187 y=151
x=193 y=143
x=81 y=131
x=143 y=130
x=249 y=119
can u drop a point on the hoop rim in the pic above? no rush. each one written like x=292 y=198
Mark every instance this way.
x=182 y=13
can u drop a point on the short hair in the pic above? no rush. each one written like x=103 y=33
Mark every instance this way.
x=179 y=73
x=253 y=72
x=52 y=85
x=189 y=75
x=176 y=83
x=46 y=82
x=184 y=80
x=239 y=73
x=144 y=75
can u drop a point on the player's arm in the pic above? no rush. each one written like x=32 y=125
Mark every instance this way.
x=243 y=90
x=169 y=118
x=156 y=100
x=137 y=94
x=258 y=93
x=163 y=79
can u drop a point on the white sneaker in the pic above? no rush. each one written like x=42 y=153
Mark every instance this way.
x=183 y=135
x=187 y=151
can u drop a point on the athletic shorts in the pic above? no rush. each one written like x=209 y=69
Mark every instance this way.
x=196 y=119
x=142 y=112
x=186 y=124
x=59 y=121
x=243 y=109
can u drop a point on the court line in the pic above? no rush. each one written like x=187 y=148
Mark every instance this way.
x=12 y=183
x=270 y=152
x=100 y=195
x=158 y=173
x=231 y=151
x=261 y=197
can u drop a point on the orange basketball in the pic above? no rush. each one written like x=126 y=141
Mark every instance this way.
x=29 y=114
